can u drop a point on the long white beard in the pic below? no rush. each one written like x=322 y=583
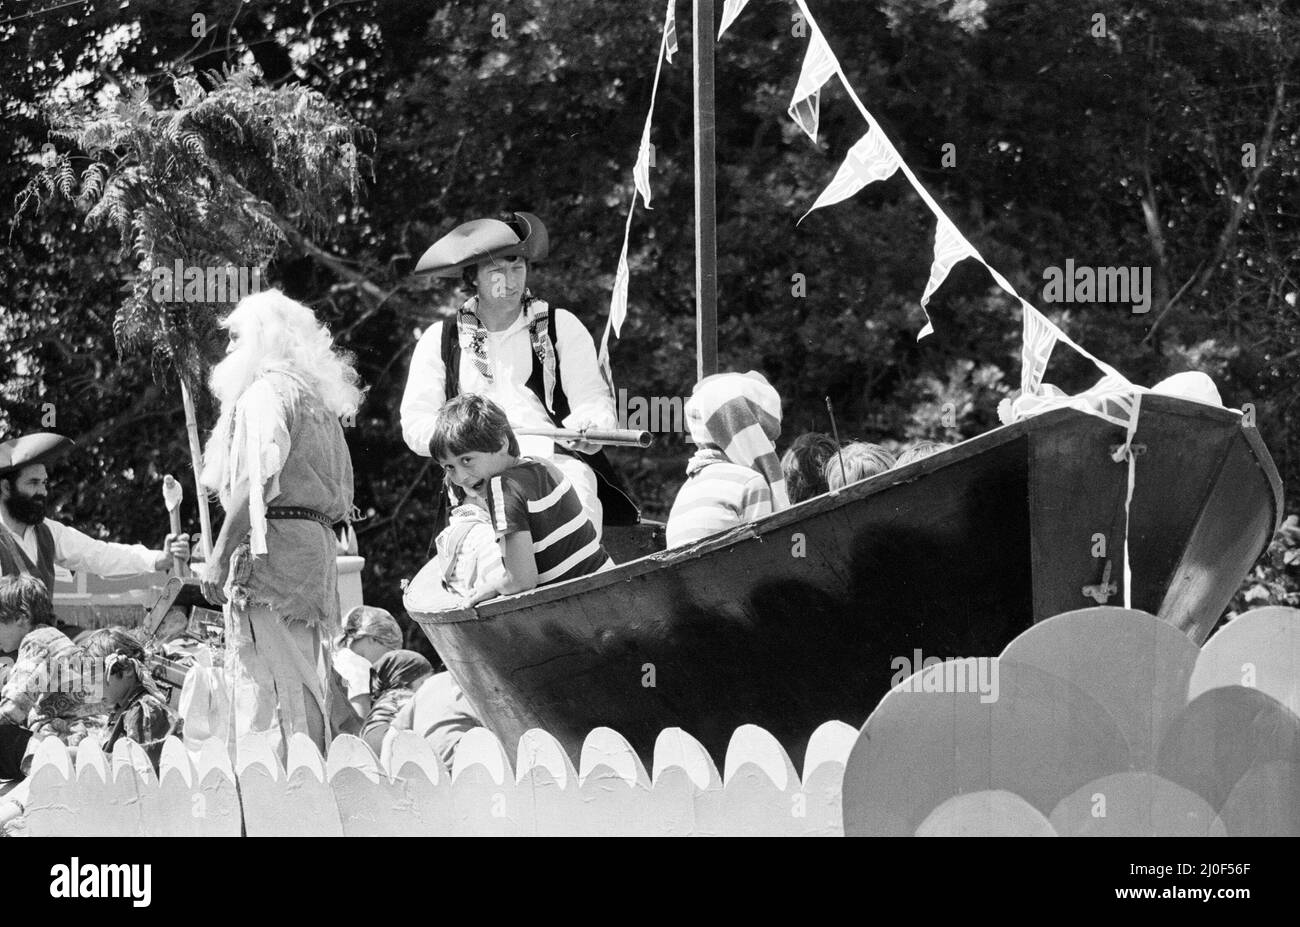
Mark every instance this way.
x=232 y=376
x=227 y=381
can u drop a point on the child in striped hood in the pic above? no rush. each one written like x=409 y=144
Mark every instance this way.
x=735 y=474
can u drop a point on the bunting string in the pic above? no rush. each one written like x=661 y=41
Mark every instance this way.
x=874 y=157
x=950 y=245
x=641 y=184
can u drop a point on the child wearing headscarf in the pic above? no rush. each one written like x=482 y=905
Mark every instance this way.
x=139 y=709
x=735 y=474
x=396 y=676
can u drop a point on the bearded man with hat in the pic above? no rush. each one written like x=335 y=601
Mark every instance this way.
x=32 y=544
x=537 y=363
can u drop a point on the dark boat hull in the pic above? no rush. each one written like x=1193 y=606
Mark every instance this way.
x=805 y=615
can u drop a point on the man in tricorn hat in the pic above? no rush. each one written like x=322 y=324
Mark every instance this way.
x=33 y=544
x=537 y=363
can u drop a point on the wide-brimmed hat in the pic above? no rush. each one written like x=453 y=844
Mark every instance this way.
x=472 y=242
x=36 y=448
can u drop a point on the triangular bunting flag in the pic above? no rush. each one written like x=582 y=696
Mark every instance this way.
x=818 y=66
x=670 y=30
x=618 y=298
x=1039 y=338
x=641 y=170
x=730 y=10
x=869 y=160
x=949 y=248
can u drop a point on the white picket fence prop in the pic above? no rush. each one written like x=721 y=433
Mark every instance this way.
x=1106 y=722
x=408 y=792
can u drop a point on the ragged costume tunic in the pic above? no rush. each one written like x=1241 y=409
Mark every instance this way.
x=296 y=446
x=283 y=583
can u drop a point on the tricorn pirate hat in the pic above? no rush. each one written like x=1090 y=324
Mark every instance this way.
x=472 y=242
x=36 y=448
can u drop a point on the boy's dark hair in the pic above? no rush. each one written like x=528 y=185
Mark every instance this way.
x=25 y=595
x=802 y=465
x=471 y=423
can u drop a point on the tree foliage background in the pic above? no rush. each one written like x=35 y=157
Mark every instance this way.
x=1170 y=141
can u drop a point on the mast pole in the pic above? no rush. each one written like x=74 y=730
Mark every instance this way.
x=706 y=231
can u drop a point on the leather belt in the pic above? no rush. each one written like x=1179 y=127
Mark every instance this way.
x=299 y=513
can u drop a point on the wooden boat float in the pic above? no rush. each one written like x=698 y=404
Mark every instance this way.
x=800 y=616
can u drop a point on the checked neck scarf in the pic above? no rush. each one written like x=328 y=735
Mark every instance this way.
x=473 y=340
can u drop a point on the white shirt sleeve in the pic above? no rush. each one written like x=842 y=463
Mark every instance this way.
x=425 y=391
x=78 y=551
x=589 y=397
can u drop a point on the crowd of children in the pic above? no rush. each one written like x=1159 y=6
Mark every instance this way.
x=90 y=694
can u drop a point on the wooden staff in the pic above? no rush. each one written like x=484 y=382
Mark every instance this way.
x=196 y=459
x=616 y=437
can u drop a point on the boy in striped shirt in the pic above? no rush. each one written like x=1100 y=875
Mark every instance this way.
x=536 y=515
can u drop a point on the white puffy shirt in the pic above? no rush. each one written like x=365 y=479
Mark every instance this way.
x=510 y=354
x=74 y=550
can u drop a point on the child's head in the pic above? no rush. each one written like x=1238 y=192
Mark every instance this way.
x=24 y=604
x=399 y=669
x=370 y=632
x=803 y=463
x=473 y=442
x=739 y=416
x=919 y=451
x=122 y=655
x=861 y=460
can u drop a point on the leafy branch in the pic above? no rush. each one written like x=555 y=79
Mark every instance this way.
x=222 y=178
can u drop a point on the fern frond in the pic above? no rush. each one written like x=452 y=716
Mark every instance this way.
x=189 y=91
x=193 y=143
x=65 y=178
x=92 y=181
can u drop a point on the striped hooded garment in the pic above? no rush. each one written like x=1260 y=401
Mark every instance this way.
x=735 y=475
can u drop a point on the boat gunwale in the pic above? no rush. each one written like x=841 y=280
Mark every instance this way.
x=835 y=499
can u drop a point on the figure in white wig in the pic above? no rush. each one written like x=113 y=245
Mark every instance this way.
x=279 y=462
x=735 y=476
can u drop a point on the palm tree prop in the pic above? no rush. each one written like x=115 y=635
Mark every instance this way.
x=221 y=179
